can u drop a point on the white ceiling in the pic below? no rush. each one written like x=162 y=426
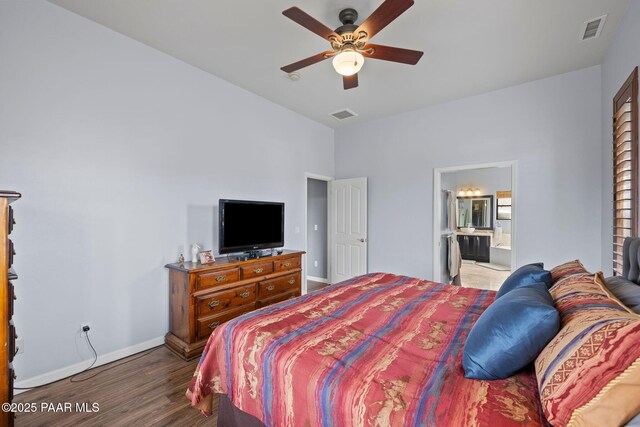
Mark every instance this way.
x=470 y=47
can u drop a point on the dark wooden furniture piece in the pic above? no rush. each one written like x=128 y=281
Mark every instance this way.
x=7 y=330
x=474 y=247
x=201 y=297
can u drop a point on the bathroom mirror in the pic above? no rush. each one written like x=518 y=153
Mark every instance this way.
x=475 y=211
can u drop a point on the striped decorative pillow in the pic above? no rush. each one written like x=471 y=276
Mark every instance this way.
x=566 y=269
x=589 y=374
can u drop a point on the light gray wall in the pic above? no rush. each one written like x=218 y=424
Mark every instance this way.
x=488 y=181
x=551 y=127
x=317 y=239
x=622 y=56
x=121 y=153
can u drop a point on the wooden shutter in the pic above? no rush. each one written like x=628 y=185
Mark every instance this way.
x=625 y=167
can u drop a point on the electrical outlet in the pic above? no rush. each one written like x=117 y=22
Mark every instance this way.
x=315 y=263
x=85 y=327
x=315 y=227
x=19 y=345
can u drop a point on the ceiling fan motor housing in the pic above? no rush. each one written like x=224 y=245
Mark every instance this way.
x=347 y=17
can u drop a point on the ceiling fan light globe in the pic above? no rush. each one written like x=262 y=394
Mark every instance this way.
x=348 y=62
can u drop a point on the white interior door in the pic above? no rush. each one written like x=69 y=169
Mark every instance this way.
x=347 y=228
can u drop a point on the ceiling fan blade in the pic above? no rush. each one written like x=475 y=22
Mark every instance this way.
x=395 y=54
x=305 y=62
x=349 y=82
x=383 y=16
x=310 y=23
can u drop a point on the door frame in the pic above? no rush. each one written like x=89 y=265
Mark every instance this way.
x=437 y=207
x=325 y=178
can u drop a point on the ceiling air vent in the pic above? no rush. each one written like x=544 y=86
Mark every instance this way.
x=592 y=29
x=343 y=114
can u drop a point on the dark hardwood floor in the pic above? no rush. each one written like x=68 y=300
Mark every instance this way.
x=145 y=389
x=314 y=286
x=136 y=391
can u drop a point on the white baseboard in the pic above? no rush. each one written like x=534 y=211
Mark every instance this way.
x=70 y=370
x=318 y=279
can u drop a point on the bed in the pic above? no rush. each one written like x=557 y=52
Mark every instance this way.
x=378 y=350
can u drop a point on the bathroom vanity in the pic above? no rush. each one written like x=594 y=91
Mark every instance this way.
x=475 y=246
x=475 y=215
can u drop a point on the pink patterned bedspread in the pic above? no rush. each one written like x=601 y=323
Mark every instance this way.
x=377 y=350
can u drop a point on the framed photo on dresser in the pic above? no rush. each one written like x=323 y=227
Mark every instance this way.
x=206 y=257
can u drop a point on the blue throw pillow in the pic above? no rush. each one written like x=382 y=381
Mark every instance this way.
x=510 y=333
x=525 y=275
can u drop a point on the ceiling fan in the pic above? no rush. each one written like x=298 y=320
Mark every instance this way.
x=350 y=42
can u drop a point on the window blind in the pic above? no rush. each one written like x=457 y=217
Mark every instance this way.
x=625 y=167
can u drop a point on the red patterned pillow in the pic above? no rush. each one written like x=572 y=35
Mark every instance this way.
x=567 y=269
x=589 y=374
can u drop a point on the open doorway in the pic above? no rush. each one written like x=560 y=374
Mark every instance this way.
x=474 y=209
x=316 y=270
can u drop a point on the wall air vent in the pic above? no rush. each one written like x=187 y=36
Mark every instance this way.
x=343 y=114
x=592 y=28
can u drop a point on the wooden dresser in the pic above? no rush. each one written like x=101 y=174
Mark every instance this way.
x=7 y=330
x=201 y=297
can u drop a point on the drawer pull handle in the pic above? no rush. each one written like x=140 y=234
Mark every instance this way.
x=270 y=287
x=214 y=325
x=245 y=294
x=287 y=264
x=220 y=278
x=214 y=303
x=258 y=270
x=291 y=281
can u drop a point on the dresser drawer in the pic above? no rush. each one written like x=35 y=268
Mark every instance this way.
x=272 y=287
x=257 y=270
x=11 y=375
x=287 y=263
x=11 y=299
x=219 y=277
x=278 y=298
x=221 y=301
x=206 y=325
x=10 y=221
x=11 y=342
x=10 y=252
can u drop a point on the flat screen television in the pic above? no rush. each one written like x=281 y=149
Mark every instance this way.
x=246 y=226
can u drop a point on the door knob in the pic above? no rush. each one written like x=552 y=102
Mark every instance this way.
x=362 y=240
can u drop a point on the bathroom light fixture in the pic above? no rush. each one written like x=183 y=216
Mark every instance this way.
x=468 y=192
